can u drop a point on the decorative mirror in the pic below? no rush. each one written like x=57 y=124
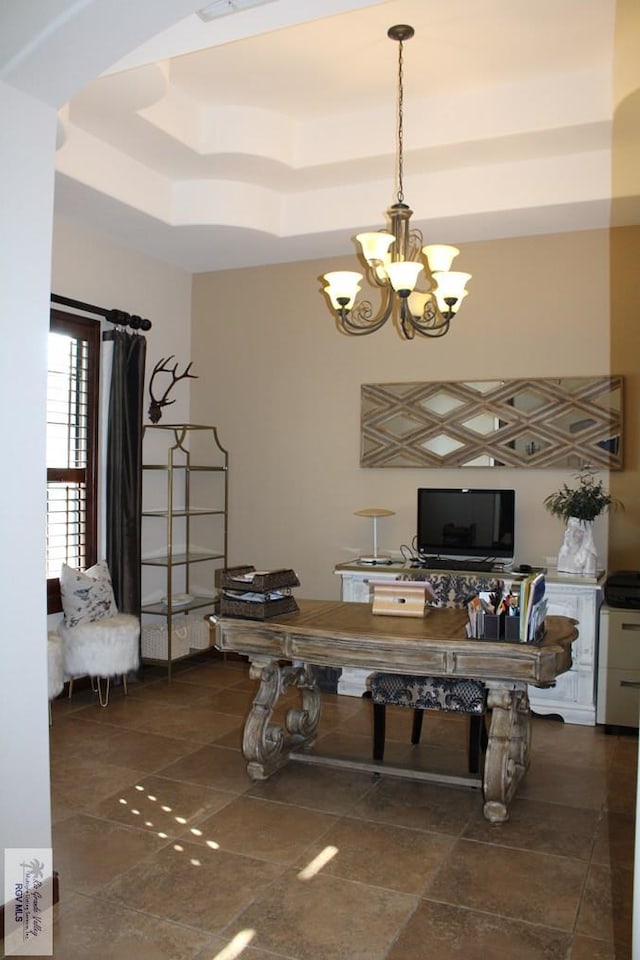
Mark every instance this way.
x=565 y=422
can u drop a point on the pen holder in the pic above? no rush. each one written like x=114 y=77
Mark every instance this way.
x=501 y=628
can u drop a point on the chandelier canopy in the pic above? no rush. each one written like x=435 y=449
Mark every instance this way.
x=392 y=263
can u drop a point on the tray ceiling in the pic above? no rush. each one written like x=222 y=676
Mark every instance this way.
x=269 y=136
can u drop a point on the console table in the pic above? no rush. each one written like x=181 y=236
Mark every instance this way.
x=573 y=697
x=332 y=633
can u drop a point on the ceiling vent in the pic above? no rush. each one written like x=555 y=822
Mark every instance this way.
x=222 y=8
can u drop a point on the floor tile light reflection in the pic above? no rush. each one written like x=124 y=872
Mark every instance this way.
x=236 y=946
x=316 y=865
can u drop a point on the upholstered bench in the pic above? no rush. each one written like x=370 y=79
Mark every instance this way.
x=465 y=696
x=429 y=693
x=55 y=667
x=98 y=641
x=101 y=649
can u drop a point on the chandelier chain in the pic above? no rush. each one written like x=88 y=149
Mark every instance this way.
x=393 y=263
x=400 y=196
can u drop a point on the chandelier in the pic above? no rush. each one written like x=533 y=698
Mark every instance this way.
x=392 y=263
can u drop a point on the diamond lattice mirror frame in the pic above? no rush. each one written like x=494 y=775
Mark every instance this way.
x=561 y=422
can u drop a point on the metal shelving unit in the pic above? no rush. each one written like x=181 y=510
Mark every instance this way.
x=185 y=476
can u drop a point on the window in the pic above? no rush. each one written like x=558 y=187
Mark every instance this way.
x=72 y=447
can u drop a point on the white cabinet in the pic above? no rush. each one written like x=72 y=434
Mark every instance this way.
x=574 y=695
x=619 y=667
x=354 y=588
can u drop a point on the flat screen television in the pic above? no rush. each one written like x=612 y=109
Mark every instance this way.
x=466 y=523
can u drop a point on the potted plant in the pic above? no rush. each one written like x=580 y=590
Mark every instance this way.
x=579 y=506
x=585 y=502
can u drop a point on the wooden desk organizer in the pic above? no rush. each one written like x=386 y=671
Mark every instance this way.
x=398 y=598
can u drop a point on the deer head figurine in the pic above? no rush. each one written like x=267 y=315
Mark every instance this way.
x=156 y=405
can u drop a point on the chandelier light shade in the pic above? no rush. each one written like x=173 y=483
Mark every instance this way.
x=393 y=263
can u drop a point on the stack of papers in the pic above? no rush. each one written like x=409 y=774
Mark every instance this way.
x=248 y=577
x=252 y=597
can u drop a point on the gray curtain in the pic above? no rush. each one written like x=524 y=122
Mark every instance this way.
x=124 y=468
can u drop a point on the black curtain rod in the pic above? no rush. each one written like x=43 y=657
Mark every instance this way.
x=119 y=317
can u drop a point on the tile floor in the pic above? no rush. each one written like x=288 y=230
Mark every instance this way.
x=167 y=851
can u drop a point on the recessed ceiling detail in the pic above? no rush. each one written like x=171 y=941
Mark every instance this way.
x=273 y=140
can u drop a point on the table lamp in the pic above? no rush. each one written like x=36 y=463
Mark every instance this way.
x=374 y=513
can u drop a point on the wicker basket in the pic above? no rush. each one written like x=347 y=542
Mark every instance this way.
x=192 y=634
x=199 y=633
x=255 y=609
x=260 y=582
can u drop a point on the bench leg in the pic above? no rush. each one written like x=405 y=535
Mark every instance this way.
x=103 y=697
x=478 y=740
x=475 y=735
x=379 y=731
x=416 y=728
x=477 y=743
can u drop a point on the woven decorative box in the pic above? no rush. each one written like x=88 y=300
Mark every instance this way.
x=256 y=609
x=260 y=581
x=256 y=595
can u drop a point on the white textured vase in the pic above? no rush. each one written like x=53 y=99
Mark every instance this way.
x=578 y=552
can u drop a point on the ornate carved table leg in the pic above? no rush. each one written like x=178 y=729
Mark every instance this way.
x=265 y=744
x=507 y=757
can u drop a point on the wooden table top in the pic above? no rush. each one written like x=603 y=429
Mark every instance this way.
x=335 y=633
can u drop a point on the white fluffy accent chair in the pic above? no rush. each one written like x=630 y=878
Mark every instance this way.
x=55 y=663
x=101 y=649
x=98 y=641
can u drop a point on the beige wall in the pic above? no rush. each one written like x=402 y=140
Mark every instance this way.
x=88 y=266
x=283 y=386
x=624 y=531
x=624 y=526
